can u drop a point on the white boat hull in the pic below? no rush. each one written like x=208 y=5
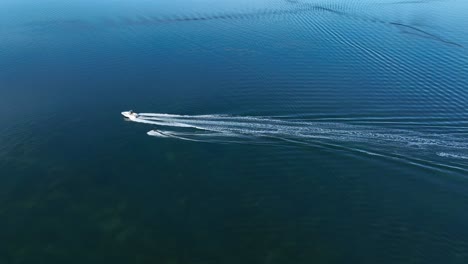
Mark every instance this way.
x=130 y=115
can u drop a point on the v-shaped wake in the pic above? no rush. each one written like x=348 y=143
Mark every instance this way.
x=424 y=148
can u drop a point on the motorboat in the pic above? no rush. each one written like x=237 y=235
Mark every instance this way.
x=130 y=115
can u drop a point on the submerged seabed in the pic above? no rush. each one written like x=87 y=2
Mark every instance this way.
x=324 y=131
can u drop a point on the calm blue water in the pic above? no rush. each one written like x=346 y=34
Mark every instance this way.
x=283 y=131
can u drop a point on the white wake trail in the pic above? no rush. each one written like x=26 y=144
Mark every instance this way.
x=264 y=130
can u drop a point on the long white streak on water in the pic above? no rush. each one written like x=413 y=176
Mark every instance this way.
x=430 y=148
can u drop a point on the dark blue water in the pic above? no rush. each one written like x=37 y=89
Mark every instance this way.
x=298 y=131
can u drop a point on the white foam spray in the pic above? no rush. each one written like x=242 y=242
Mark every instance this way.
x=379 y=141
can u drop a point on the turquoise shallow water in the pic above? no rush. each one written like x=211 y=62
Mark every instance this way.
x=286 y=131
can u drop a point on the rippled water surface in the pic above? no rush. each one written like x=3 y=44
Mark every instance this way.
x=270 y=131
